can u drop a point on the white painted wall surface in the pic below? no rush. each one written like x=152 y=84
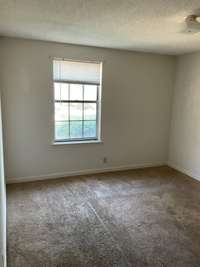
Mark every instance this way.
x=2 y=202
x=184 y=151
x=136 y=102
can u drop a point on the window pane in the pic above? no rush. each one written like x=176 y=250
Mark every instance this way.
x=64 y=91
x=57 y=90
x=75 y=129
x=76 y=111
x=61 y=91
x=76 y=92
x=90 y=92
x=61 y=130
x=61 y=111
x=89 y=129
x=90 y=111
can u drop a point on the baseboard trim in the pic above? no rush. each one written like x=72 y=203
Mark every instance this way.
x=82 y=172
x=179 y=168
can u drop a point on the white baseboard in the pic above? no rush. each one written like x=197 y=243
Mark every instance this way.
x=82 y=172
x=190 y=173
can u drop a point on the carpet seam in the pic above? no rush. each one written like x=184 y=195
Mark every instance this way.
x=108 y=231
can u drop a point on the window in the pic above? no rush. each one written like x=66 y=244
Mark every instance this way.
x=77 y=99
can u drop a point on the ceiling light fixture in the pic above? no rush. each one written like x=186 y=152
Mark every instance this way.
x=193 y=23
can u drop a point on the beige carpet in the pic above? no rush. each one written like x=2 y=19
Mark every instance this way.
x=147 y=217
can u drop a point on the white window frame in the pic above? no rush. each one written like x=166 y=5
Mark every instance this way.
x=97 y=139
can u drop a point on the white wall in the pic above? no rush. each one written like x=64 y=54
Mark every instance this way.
x=2 y=203
x=184 y=151
x=136 y=102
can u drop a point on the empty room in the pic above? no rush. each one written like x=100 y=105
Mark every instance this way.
x=99 y=133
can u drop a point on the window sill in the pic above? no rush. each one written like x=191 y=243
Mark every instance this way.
x=77 y=142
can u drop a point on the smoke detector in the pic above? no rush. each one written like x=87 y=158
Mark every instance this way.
x=193 y=23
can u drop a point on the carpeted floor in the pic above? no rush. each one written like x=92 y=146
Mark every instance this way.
x=146 y=217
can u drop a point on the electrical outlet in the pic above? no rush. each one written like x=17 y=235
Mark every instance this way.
x=105 y=160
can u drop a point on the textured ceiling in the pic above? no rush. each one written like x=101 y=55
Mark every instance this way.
x=141 y=25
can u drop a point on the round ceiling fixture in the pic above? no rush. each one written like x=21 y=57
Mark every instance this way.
x=193 y=23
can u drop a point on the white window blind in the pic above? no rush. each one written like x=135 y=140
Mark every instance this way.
x=73 y=71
